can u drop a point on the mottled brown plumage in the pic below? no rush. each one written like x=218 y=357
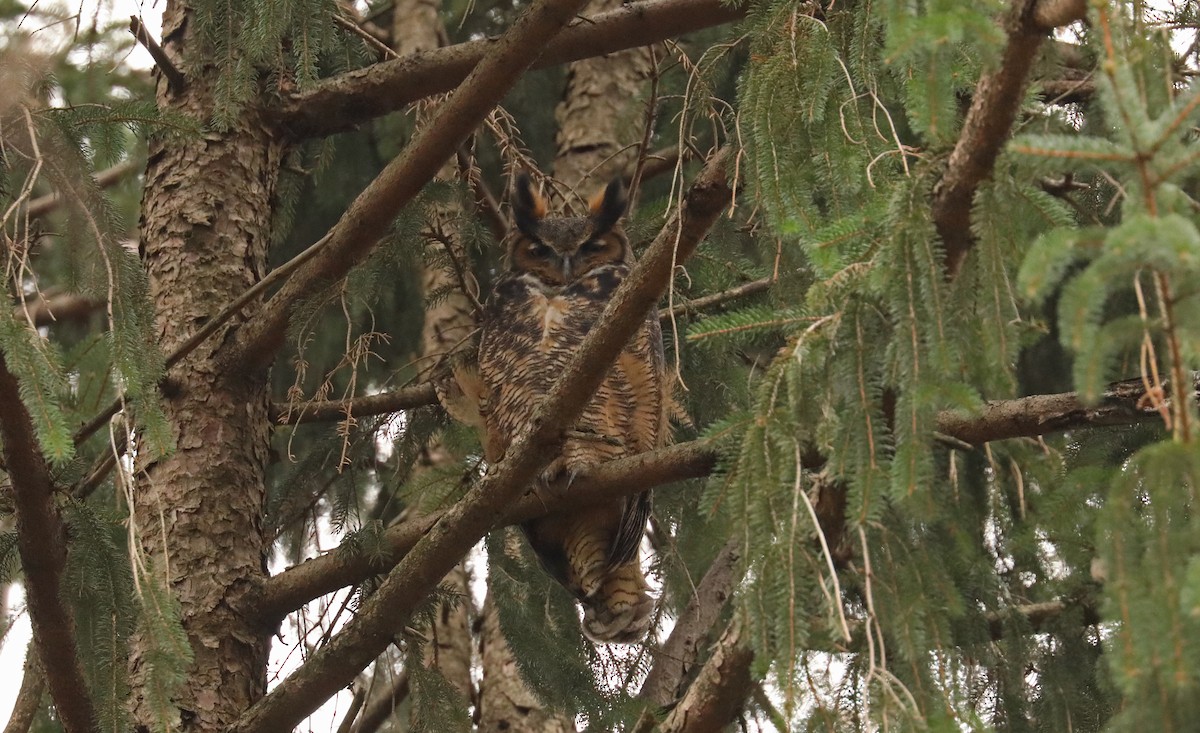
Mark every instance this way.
x=561 y=273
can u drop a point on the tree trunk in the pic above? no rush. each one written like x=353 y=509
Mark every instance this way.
x=205 y=226
x=505 y=703
x=598 y=127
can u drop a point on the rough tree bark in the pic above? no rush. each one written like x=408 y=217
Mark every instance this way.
x=505 y=702
x=205 y=228
x=597 y=122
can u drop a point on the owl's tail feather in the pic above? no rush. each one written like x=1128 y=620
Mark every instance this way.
x=621 y=608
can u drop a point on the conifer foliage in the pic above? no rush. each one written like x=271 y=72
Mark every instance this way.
x=936 y=458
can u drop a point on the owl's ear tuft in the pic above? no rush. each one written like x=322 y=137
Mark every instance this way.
x=528 y=205
x=608 y=206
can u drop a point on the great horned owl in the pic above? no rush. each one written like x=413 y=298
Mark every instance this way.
x=561 y=271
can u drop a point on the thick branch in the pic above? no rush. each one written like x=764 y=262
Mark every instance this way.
x=376 y=404
x=345 y=101
x=993 y=109
x=359 y=229
x=466 y=522
x=1051 y=413
x=42 y=545
x=682 y=648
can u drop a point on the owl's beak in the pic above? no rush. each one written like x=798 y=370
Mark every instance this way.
x=566 y=268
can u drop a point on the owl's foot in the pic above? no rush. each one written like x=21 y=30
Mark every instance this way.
x=594 y=436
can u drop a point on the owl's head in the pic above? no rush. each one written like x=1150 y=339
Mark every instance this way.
x=560 y=250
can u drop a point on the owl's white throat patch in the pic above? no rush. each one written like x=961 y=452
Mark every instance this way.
x=553 y=311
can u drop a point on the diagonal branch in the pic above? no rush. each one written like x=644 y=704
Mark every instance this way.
x=29 y=697
x=989 y=121
x=460 y=527
x=359 y=229
x=348 y=100
x=43 y=205
x=42 y=546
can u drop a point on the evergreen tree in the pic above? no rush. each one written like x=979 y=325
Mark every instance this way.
x=926 y=274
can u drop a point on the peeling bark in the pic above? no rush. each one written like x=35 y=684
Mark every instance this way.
x=205 y=230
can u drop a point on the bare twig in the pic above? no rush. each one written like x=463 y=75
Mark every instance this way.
x=371 y=41
x=379 y=404
x=705 y=302
x=42 y=546
x=345 y=101
x=639 y=165
x=175 y=78
x=485 y=201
